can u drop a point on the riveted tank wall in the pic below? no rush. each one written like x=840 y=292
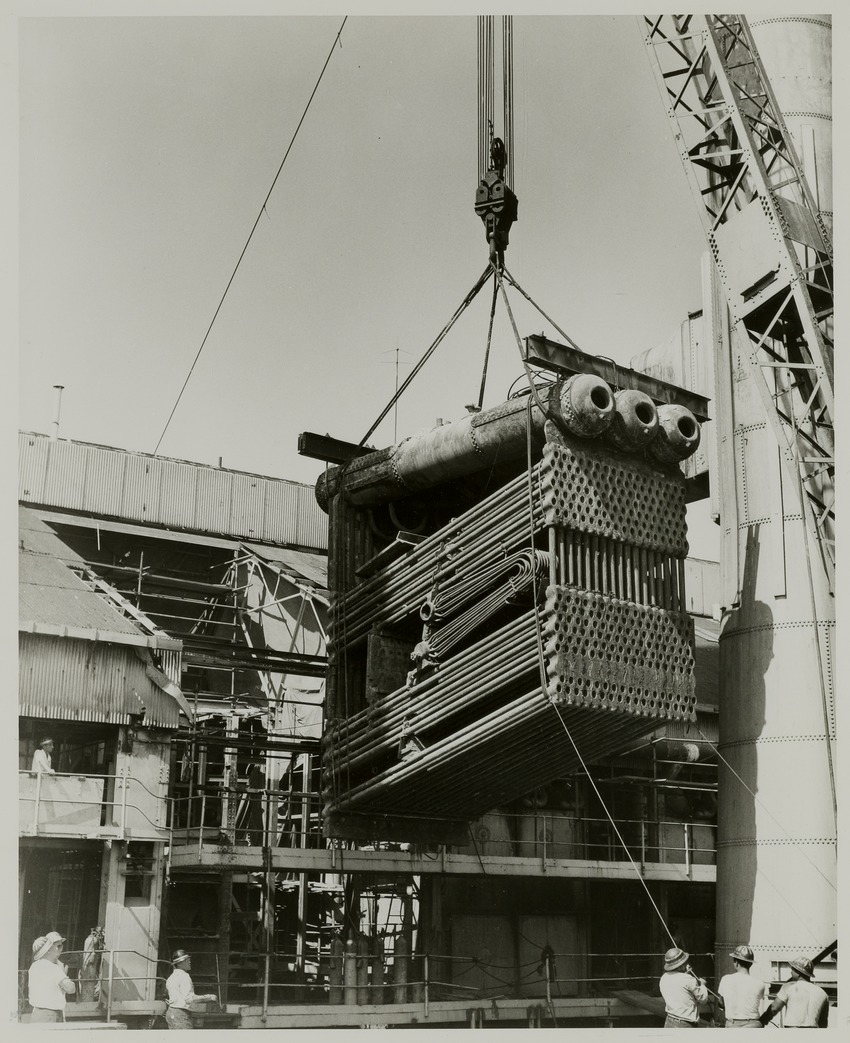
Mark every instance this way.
x=776 y=857
x=796 y=51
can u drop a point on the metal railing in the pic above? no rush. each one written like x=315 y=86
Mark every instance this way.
x=376 y=970
x=367 y=971
x=553 y=835
x=69 y=803
x=273 y=818
x=243 y=815
x=104 y=983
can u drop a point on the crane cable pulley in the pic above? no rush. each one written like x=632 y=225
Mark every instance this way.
x=495 y=202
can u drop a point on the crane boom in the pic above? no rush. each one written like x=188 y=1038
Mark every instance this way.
x=770 y=244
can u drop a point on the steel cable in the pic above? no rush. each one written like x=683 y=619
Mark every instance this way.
x=250 y=236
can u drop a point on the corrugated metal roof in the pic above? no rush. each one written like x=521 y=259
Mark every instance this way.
x=72 y=680
x=311 y=567
x=160 y=491
x=80 y=659
x=50 y=593
x=37 y=537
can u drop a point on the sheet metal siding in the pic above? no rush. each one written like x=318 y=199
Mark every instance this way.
x=247 y=516
x=66 y=475
x=141 y=492
x=312 y=520
x=171 y=660
x=212 y=510
x=105 y=478
x=281 y=520
x=72 y=680
x=100 y=480
x=178 y=494
x=32 y=467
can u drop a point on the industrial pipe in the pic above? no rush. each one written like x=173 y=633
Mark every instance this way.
x=582 y=405
x=678 y=434
x=634 y=423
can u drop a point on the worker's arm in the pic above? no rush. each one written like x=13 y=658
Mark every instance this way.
x=698 y=989
x=65 y=983
x=774 y=1008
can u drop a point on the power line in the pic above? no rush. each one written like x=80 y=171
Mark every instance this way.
x=250 y=235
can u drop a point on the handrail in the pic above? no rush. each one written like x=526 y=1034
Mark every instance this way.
x=121 y=780
x=381 y=981
x=587 y=838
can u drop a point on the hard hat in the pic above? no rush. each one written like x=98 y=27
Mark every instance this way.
x=179 y=956
x=743 y=954
x=802 y=966
x=675 y=958
x=42 y=944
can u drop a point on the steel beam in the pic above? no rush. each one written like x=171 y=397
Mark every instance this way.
x=331 y=450
x=561 y=358
x=214 y=859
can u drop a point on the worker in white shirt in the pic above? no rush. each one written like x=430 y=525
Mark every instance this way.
x=181 y=992
x=744 y=996
x=682 y=990
x=49 y=983
x=42 y=762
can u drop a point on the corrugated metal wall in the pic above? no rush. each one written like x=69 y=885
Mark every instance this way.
x=135 y=487
x=73 y=680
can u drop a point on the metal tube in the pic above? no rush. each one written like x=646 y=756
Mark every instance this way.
x=54 y=434
x=124 y=781
x=668 y=592
x=425 y=976
x=553 y=555
x=201 y=824
x=569 y=536
x=37 y=804
x=109 y=995
x=266 y=972
x=618 y=570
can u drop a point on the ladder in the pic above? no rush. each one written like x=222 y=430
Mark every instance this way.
x=770 y=244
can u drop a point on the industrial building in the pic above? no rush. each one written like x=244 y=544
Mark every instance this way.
x=463 y=736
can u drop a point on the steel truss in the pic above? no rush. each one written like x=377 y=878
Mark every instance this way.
x=772 y=250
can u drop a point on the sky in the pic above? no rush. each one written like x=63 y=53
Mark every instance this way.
x=147 y=146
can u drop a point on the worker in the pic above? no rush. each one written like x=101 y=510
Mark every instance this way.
x=49 y=983
x=806 y=1004
x=181 y=992
x=89 y=975
x=744 y=996
x=42 y=762
x=682 y=990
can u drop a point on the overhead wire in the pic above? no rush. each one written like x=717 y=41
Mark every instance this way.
x=250 y=235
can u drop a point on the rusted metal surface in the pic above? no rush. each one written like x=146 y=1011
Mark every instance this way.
x=160 y=491
x=607 y=653
x=594 y=491
x=472 y=727
x=563 y=359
